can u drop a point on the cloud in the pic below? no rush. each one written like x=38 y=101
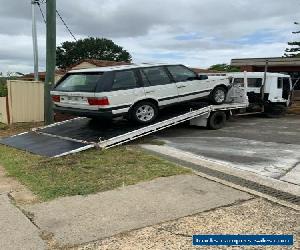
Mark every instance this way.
x=198 y=33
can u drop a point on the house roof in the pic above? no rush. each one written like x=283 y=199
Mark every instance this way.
x=42 y=75
x=198 y=71
x=99 y=63
x=117 y=67
x=132 y=66
x=272 y=61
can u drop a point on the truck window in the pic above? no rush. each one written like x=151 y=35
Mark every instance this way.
x=254 y=82
x=279 y=82
x=238 y=81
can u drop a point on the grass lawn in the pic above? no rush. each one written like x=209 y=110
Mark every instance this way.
x=84 y=173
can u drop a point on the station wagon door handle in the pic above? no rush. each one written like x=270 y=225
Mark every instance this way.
x=181 y=86
x=150 y=91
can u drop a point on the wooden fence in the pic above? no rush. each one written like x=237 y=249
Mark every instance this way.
x=3 y=110
x=24 y=102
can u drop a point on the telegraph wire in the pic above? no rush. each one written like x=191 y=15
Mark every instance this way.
x=66 y=25
x=60 y=17
x=42 y=13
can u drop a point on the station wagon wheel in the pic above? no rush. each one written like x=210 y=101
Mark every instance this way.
x=218 y=95
x=144 y=112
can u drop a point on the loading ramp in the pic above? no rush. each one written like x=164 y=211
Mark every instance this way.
x=80 y=134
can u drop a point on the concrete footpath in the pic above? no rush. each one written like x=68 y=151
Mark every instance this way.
x=17 y=231
x=79 y=219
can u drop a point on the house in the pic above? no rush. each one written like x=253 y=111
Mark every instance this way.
x=83 y=64
x=205 y=71
x=286 y=65
x=93 y=63
x=42 y=76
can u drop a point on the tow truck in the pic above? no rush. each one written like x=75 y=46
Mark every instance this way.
x=80 y=134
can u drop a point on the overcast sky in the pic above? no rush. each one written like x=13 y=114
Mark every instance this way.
x=194 y=32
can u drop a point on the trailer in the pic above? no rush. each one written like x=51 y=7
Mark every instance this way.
x=80 y=134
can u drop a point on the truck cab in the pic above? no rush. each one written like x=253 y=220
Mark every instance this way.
x=272 y=93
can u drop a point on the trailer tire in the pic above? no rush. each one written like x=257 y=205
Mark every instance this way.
x=216 y=120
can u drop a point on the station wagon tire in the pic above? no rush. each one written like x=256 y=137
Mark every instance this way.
x=217 y=120
x=144 y=112
x=218 y=95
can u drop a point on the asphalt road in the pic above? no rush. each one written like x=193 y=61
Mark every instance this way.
x=270 y=147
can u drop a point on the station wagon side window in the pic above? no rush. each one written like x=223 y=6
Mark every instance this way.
x=80 y=82
x=182 y=74
x=155 y=76
x=124 y=80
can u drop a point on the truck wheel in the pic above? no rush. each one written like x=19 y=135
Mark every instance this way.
x=217 y=120
x=275 y=111
x=144 y=112
x=218 y=95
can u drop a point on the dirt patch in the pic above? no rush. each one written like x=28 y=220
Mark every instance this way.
x=19 y=193
x=7 y=130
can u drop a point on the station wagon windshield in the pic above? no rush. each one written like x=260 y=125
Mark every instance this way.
x=83 y=82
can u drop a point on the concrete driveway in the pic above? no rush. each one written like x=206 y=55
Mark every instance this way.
x=269 y=147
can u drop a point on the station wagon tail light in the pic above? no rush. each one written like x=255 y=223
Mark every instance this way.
x=98 y=101
x=56 y=98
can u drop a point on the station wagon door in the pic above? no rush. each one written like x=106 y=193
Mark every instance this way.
x=159 y=86
x=188 y=85
x=125 y=91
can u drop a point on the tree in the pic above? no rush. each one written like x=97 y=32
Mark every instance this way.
x=294 y=51
x=224 y=67
x=90 y=48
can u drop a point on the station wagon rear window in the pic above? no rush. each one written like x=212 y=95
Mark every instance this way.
x=83 y=82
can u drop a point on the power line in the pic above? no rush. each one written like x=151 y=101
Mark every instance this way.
x=60 y=17
x=66 y=25
x=38 y=3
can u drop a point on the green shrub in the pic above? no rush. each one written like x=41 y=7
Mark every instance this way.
x=3 y=87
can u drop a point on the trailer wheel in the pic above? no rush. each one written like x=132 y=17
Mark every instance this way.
x=217 y=120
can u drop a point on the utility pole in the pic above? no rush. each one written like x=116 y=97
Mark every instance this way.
x=50 y=59
x=34 y=40
x=263 y=86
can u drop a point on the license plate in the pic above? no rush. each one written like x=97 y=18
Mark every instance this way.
x=73 y=99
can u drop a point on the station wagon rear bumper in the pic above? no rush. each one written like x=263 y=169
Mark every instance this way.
x=84 y=112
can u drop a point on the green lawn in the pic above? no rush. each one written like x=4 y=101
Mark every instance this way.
x=84 y=173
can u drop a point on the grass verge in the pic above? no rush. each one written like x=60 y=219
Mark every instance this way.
x=84 y=173
x=16 y=128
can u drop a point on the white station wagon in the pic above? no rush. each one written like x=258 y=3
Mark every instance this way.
x=136 y=92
